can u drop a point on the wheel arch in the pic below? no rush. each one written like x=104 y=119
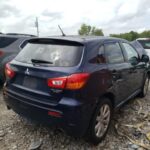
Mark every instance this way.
x=148 y=73
x=110 y=96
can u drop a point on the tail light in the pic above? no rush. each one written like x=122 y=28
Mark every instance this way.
x=1 y=52
x=72 y=82
x=9 y=72
x=54 y=114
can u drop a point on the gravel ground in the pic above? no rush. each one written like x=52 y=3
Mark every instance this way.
x=128 y=130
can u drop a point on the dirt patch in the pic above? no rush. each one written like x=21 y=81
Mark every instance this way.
x=131 y=123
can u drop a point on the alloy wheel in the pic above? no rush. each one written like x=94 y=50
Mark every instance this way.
x=102 y=120
x=146 y=85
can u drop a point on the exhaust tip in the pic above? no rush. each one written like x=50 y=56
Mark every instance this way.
x=8 y=107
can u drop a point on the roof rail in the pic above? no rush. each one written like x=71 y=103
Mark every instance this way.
x=21 y=34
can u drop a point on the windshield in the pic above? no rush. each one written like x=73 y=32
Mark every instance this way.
x=58 y=55
x=145 y=43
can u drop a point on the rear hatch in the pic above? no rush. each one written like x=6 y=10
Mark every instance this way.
x=40 y=60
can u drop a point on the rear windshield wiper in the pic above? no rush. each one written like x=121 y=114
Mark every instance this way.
x=38 y=61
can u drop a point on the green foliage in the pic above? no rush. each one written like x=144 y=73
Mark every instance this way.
x=89 y=30
x=145 y=34
x=130 y=36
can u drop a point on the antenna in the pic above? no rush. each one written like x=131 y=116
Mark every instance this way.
x=63 y=34
x=37 y=25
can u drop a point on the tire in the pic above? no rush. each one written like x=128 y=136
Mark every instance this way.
x=1 y=84
x=94 y=135
x=145 y=87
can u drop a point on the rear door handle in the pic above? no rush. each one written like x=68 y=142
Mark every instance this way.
x=117 y=76
x=120 y=80
x=114 y=72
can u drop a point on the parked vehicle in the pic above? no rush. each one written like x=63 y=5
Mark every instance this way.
x=10 y=45
x=145 y=42
x=139 y=48
x=75 y=83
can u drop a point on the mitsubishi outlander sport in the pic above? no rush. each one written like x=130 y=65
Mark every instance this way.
x=75 y=83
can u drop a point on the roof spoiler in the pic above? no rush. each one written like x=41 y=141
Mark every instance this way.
x=55 y=41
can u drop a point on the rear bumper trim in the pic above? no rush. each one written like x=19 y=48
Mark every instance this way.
x=20 y=96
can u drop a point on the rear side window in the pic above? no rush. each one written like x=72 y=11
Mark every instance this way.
x=6 y=41
x=131 y=52
x=114 y=53
x=58 y=54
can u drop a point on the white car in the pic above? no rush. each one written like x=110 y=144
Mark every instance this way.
x=145 y=42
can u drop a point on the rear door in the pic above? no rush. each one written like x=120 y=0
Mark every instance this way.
x=136 y=71
x=118 y=69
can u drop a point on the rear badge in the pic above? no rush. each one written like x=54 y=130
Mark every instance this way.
x=27 y=71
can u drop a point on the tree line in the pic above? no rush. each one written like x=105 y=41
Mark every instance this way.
x=130 y=36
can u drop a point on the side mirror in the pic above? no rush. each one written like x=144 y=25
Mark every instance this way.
x=134 y=61
x=145 y=58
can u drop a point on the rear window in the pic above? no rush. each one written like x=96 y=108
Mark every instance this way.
x=6 y=41
x=59 y=54
x=145 y=43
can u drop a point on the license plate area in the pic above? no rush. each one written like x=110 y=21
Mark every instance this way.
x=29 y=82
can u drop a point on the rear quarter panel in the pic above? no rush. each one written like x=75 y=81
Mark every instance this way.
x=99 y=82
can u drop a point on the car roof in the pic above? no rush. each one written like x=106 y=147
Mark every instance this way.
x=143 y=39
x=82 y=39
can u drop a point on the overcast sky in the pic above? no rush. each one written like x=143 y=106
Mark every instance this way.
x=113 y=16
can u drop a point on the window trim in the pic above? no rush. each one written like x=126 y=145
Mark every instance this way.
x=24 y=40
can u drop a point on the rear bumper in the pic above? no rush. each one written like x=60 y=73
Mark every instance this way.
x=75 y=116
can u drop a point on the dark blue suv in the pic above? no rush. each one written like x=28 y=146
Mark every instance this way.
x=75 y=83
